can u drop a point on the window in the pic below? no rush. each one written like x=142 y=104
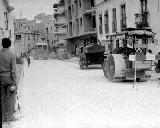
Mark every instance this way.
x=80 y=22
x=46 y=30
x=73 y=26
x=39 y=46
x=72 y=9
x=123 y=17
x=56 y=30
x=144 y=15
x=143 y=5
x=18 y=37
x=94 y=21
x=114 y=20
x=6 y=20
x=28 y=37
x=92 y=3
x=100 y=24
x=80 y=3
x=106 y=22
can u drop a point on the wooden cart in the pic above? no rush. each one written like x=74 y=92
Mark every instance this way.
x=90 y=55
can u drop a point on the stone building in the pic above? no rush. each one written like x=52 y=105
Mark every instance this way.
x=6 y=22
x=80 y=23
x=115 y=15
x=25 y=36
x=59 y=25
x=45 y=26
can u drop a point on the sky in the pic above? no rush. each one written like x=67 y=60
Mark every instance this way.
x=29 y=8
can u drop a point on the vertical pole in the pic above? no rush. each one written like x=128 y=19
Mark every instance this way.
x=135 y=82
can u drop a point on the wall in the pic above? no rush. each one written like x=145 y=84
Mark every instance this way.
x=2 y=21
x=11 y=28
x=154 y=23
x=132 y=7
x=10 y=31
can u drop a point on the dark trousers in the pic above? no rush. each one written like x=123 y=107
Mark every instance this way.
x=7 y=100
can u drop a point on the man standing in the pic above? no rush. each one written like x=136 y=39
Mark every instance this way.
x=7 y=80
x=28 y=59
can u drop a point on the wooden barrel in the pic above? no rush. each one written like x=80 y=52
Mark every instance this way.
x=116 y=66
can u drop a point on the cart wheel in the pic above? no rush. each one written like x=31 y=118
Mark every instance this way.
x=111 y=68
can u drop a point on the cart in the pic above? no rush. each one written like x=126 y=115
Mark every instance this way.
x=90 y=55
x=126 y=58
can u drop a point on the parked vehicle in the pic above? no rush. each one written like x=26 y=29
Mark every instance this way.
x=126 y=58
x=91 y=54
x=41 y=51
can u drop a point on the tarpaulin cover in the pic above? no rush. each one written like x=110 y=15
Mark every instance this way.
x=94 y=48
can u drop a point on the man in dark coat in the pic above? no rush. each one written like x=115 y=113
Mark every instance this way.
x=7 y=78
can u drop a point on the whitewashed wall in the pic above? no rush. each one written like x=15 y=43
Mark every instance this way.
x=132 y=7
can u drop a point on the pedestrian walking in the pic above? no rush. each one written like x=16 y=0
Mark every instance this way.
x=29 y=61
x=7 y=81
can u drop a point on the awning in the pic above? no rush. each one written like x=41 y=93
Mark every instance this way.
x=90 y=34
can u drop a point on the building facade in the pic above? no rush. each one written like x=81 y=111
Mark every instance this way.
x=6 y=22
x=80 y=23
x=45 y=26
x=59 y=25
x=115 y=15
x=25 y=36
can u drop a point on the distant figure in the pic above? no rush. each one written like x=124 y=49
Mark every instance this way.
x=7 y=81
x=28 y=60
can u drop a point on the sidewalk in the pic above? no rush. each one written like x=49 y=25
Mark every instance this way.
x=19 y=75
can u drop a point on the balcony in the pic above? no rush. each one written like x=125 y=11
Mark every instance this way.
x=58 y=12
x=141 y=20
x=60 y=32
x=59 y=23
x=90 y=11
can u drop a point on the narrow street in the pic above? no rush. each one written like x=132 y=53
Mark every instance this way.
x=57 y=94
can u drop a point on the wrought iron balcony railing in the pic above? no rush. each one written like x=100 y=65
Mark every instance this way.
x=141 y=20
